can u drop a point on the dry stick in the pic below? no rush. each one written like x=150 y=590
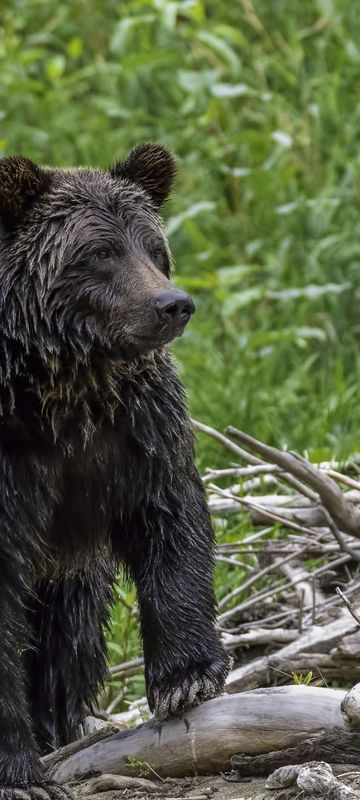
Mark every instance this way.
x=241 y=472
x=289 y=479
x=344 y=514
x=127 y=668
x=266 y=512
x=270 y=469
x=301 y=611
x=315 y=550
x=313 y=609
x=339 y=537
x=318 y=639
x=303 y=582
x=263 y=636
x=235 y=563
x=286 y=501
x=276 y=517
x=331 y=522
x=333 y=601
x=219 y=437
x=271 y=568
x=348 y=604
x=332 y=473
x=117 y=699
x=251 y=538
x=258 y=597
x=284 y=614
x=335 y=745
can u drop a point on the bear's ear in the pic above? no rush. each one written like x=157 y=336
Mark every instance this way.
x=152 y=167
x=21 y=182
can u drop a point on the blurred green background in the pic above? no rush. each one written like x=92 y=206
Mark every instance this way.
x=260 y=102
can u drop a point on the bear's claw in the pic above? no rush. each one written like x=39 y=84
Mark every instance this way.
x=44 y=791
x=171 y=697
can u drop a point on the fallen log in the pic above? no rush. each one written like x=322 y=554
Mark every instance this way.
x=206 y=738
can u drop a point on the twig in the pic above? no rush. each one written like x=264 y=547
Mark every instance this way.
x=259 y=636
x=233 y=562
x=301 y=611
x=287 y=614
x=276 y=517
x=127 y=668
x=338 y=476
x=116 y=700
x=219 y=437
x=250 y=582
x=251 y=459
x=241 y=472
x=349 y=605
x=313 y=610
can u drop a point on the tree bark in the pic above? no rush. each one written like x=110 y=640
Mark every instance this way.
x=205 y=740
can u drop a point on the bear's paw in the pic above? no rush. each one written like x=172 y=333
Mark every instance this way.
x=174 y=694
x=44 y=791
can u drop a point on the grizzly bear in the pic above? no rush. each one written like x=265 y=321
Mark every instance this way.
x=97 y=455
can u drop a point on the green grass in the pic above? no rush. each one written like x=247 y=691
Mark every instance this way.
x=260 y=102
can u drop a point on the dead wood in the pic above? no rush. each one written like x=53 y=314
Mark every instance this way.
x=313 y=778
x=318 y=638
x=337 y=746
x=205 y=740
x=346 y=515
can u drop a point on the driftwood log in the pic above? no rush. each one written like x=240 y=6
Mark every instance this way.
x=206 y=739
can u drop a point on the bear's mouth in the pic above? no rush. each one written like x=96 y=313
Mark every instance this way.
x=141 y=344
x=162 y=337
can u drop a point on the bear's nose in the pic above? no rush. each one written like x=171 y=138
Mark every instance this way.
x=174 y=307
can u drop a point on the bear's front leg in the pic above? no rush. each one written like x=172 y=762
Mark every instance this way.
x=173 y=566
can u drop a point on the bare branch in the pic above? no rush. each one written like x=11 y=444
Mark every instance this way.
x=349 y=605
x=345 y=514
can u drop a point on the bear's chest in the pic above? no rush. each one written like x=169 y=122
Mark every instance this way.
x=104 y=487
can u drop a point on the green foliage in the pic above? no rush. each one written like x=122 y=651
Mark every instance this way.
x=141 y=768
x=259 y=101
x=303 y=680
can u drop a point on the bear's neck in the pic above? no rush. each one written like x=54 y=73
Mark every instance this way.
x=43 y=393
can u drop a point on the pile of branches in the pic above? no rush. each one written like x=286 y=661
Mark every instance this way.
x=292 y=613
x=297 y=612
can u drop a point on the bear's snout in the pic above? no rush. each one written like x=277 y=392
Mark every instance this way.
x=174 y=309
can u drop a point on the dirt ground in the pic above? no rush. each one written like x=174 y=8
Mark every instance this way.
x=213 y=787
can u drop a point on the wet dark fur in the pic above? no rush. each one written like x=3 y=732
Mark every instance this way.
x=97 y=462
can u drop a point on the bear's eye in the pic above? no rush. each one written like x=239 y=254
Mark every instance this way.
x=160 y=257
x=103 y=253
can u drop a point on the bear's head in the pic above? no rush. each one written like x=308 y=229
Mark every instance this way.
x=84 y=261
